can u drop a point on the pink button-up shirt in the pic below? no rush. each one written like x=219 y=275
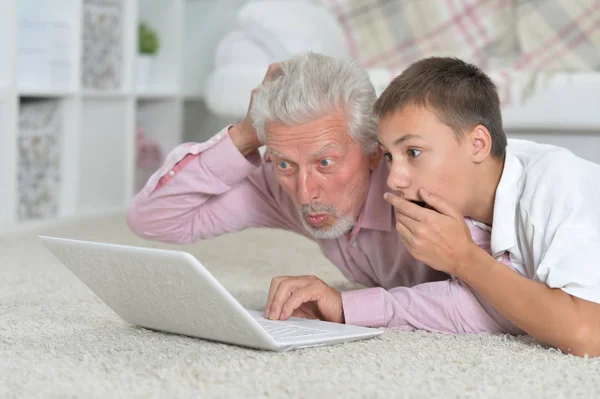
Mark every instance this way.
x=207 y=189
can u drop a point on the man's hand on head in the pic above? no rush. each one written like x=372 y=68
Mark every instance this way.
x=244 y=135
x=303 y=296
x=438 y=237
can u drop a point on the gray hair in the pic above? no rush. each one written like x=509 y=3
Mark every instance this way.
x=310 y=86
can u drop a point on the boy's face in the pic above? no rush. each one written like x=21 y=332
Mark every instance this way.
x=424 y=153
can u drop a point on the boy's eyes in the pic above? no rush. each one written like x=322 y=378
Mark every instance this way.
x=411 y=152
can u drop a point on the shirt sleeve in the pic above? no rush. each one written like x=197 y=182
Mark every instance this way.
x=571 y=261
x=448 y=306
x=203 y=190
x=559 y=217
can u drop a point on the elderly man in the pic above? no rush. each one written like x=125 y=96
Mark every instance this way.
x=321 y=177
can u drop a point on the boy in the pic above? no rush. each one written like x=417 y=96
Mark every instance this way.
x=440 y=128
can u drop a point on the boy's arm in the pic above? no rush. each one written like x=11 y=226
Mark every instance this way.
x=555 y=317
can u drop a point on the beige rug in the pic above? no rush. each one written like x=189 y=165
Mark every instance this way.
x=58 y=340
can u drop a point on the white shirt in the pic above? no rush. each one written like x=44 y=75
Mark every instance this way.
x=547 y=216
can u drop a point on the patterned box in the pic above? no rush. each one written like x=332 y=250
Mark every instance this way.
x=102 y=67
x=38 y=159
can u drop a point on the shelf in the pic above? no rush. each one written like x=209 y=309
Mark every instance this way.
x=193 y=97
x=103 y=158
x=7 y=162
x=100 y=94
x=44 y=93
x=39 y=159
x=104 y=44
x=166 y=18
x=7 y=40
x=47 y=45
x=160 y=121
x=157 y=94
x=80 y=57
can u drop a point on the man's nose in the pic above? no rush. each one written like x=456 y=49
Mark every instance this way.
x=399 y=177
x=308 y=187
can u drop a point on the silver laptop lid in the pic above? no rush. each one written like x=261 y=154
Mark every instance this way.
x=160 y=289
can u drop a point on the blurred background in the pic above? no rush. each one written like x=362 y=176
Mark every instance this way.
x=95 y=93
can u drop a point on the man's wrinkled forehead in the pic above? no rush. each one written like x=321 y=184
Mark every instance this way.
x=314 y=154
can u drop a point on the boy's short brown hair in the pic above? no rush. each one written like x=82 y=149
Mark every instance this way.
x=459 y=94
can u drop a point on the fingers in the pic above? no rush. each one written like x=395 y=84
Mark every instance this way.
x=406 y=234
x=300 y=313
x=281 y=289
x=273 y=70
x=407 y=222
x=272 y=291
x=299 y=297
x=439 y=204
x=406 y=207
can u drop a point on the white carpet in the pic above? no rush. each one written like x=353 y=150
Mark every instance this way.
x=58 y=340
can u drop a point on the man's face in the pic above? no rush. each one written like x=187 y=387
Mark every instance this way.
x=423 y=152
x=323 y=170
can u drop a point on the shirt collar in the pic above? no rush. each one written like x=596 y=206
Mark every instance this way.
x=505 y=206
x=377 y=213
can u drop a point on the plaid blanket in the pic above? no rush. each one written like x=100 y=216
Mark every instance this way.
x=506 y=38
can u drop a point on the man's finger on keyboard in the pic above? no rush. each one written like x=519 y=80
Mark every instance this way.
x=302 y=314
x=272 y=290
x=298 y=298
x=328 y=301
x=285 y=288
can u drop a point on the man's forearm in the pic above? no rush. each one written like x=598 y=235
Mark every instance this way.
x=441 y=306
x=551 y=315
x=174 y=204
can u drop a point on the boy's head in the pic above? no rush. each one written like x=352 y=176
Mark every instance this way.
x=438 y=122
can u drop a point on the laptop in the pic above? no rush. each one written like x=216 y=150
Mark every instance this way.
x=171 y=291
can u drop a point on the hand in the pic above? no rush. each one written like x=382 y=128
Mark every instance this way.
x=244 y=134
x=303 y=296
x=439 y=239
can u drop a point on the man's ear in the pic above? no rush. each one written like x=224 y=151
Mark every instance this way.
x=480 y=143
x=375 y=158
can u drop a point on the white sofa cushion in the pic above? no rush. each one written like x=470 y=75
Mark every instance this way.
x=238 y=48
x=285 y=28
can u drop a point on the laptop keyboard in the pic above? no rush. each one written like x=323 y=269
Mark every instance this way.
x=287 y=331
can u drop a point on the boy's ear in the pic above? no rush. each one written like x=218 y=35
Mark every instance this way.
x=480 y=141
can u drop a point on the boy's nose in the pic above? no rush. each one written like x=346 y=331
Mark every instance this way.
x=398 y=179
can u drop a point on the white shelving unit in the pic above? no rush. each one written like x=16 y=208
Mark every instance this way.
x=70 y=104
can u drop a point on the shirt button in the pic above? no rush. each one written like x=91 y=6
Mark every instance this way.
x=354 y=244
x=171 y=173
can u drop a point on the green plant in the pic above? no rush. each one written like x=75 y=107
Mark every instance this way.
x=148 y=39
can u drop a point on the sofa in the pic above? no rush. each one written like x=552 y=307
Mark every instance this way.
x=544 y=55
